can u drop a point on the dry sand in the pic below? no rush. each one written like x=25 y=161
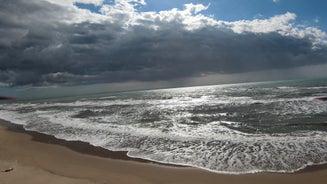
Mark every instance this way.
x=30 y=157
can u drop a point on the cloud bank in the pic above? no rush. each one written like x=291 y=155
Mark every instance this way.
x=54 y=42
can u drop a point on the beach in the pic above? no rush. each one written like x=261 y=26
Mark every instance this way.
x=31 y=157
x=163 y=92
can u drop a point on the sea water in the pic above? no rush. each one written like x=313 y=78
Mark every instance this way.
x=239 y=128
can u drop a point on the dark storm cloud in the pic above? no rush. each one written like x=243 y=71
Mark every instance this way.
x=37 y=47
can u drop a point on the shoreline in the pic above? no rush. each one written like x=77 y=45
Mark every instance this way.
x=68 y=159
x=78 y=146
x=86 y=148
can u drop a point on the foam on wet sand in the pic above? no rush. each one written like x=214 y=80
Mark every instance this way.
x=31 y=157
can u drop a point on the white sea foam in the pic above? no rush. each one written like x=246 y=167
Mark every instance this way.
x=14 y=117
x=217 y=129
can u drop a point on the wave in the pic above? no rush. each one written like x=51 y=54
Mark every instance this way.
x=213 y=146
x=222 y=129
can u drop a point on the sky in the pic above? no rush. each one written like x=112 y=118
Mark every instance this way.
x=137 y=44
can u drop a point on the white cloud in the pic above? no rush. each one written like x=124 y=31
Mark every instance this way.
x=71 y=2
x=279 y=23
x=276 y=1
x=126 y=14
x=64 y=44
x=195 y=8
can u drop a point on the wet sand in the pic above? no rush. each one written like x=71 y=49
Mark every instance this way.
x=31 y=157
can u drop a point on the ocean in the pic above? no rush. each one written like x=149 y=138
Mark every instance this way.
x=238 y=128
